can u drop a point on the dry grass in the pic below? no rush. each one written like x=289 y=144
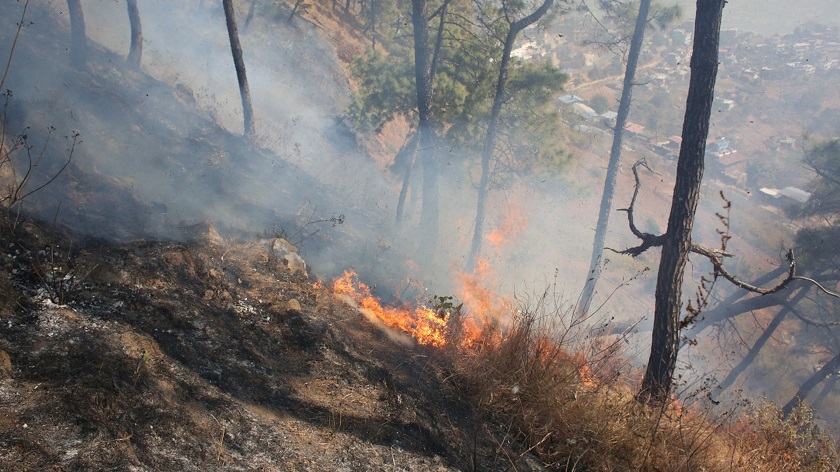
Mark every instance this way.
x=554 y=391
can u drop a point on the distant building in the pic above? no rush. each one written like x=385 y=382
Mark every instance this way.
x=570 y=99
x=718 y=145
x=776 y=196
x=609 y=118
x=584 y=111
x=795 y=193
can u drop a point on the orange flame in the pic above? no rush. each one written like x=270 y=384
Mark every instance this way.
x=422 y=323
x=587 y=378
x=479 y=299
x=513 y=223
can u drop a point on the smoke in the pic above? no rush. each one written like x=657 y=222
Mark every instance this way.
x=161 y=151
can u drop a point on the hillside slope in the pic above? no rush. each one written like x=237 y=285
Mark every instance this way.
x=204 y=355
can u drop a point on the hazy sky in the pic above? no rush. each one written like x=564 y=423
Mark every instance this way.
x=772 y=16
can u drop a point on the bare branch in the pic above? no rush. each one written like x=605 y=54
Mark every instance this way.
x=715 y=256
x=648 y=240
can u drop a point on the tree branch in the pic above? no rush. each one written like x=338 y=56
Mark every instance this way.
x=715 y=256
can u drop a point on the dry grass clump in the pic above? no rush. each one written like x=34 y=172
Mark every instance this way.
x=553 y=391
x=767 y=440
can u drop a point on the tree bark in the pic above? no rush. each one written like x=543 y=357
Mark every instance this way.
x=829 y=368
x=239 y=64
x=658 y=379
x=78 y=36
x=615 y=160
x=425 y=128
x=490 y=139
x=136 y=52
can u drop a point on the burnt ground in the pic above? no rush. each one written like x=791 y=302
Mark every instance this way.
x=211 y=355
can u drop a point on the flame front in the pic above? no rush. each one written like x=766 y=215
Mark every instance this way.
x=422 y=323
x=586 y=377
x=512 y=224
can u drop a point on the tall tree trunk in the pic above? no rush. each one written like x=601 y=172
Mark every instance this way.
x=373 y=24
x=761 y=341
x=412 y=145
x=656 y=385
x=439 y=39
x=615 y=160
x=410 y=150
x=78 y=36
x=829 y=368
x=239 y=64
x=136 y=51
x=490 y=139
x=425 y=128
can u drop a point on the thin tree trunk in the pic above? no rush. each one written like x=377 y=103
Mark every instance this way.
x=615 y=160
x=410 y=149
x=78 y=36
x=373 y=24
x=760 y=342
x=732 y=307
x=136 y=52
x=295 y=9
x=425 y=128
x=656 y=385
x=250 y=15
x=239 y=64
x=490 y=140
x=829 y=368
x=439 y=38
x=829 y=386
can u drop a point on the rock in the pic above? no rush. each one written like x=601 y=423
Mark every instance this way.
x=293 y=304
x=203 y=233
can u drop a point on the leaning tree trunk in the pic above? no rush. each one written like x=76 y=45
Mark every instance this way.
x=615 y=159
x=78 y=37
x=656 y=385
x=239 y=64
x=425 y=128
x=752 y=354
x=136 y=51
x=829 y=368
x=490 y=140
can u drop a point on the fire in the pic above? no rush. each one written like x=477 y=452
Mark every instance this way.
x=587 y=378
x=511 y=226
x=474 y=292
x=421 y=323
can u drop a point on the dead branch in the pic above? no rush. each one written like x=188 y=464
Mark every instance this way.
x=648 y=240
x=715 y=256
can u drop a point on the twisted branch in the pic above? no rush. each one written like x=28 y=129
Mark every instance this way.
x=715 y=256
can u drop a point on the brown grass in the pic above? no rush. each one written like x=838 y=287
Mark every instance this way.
x=535 y=378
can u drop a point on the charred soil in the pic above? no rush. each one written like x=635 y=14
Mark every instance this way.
x=209 y=354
